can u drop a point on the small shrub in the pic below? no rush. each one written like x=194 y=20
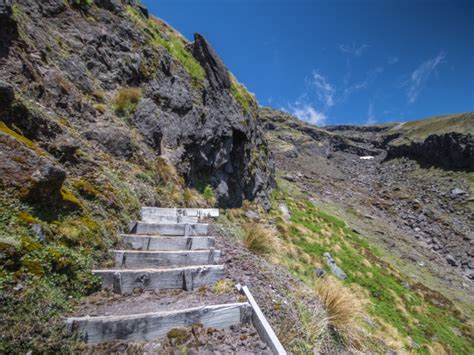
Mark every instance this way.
x=82 y=4
x=259 y=238
x=126 y=101
x=209 y=195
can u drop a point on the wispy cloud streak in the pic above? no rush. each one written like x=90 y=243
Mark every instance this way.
x=324 y=90
x=370 y=115
x=353 y=49
x=420 y=76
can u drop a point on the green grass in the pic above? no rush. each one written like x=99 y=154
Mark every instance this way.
x=413 y=310
x=246 y=100
x=40 y=280
x=420 y=129
x=158 y=34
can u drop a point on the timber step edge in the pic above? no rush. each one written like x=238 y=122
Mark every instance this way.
x=170 y=229
x=185 y=278
x=167 y=243
x=135 y=259
x=175 y=212
x=152 y=326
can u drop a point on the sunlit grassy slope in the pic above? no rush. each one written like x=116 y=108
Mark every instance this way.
x=420 y=129
x=400 y=313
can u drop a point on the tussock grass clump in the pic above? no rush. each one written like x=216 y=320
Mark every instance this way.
x=344 y=308
x=193 y=199
x=126 y=100
x=259 y=238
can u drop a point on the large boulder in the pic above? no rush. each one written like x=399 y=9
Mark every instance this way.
x=25 y=169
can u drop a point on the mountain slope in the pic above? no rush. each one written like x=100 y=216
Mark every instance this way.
x=402 y=233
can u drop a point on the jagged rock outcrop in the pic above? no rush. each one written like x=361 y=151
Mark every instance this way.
x=451 y=151
x=73 y=67
x=216 y=72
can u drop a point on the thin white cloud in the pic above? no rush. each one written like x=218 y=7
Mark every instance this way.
x=393 y=60
x=370 y=115
x=308 y=113
x=370 y=78
x=353 y=49
x=421 y=74
x=324 y=90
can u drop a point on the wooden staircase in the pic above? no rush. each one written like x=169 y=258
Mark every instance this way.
x=168 y=249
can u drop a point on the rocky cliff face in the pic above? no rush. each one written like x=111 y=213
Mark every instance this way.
x=103 y=109
x=76 y=62
x=450 y=151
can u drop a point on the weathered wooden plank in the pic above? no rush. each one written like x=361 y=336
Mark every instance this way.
x=171 y=229
x=261 y=324
x=144 y=242
x=168 y=219
x=134 y=259
x=174 y=212
x=153 y=326
x=160 y=279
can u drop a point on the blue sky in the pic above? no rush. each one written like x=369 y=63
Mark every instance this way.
x=341 y=61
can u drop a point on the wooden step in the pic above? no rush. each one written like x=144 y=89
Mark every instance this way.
x=174 y=212
x=169 y=219
x=170 y=229
x=144 y=242
x=133 y=259
x=186 y=278
x=152 y=326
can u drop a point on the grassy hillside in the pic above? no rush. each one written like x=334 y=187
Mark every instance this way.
x=383 y=309
x=416 y=131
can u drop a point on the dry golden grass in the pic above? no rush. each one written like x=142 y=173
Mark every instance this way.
x=345 y=310
x=126 y=100
x=259 y=238
x=223 y=286
x=192 y=198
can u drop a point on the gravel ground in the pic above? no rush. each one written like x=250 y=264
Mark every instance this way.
x=106 y=303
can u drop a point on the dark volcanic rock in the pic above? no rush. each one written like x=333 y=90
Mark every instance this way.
x=5 y=8
x=111 y=5
x=114 y=140
x=7 y=95
x=66 y=62
x=451 y=151
x=147 y=122
x=35 y=177
x=216 y=71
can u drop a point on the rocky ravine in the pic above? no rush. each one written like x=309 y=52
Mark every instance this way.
x=424 y=216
